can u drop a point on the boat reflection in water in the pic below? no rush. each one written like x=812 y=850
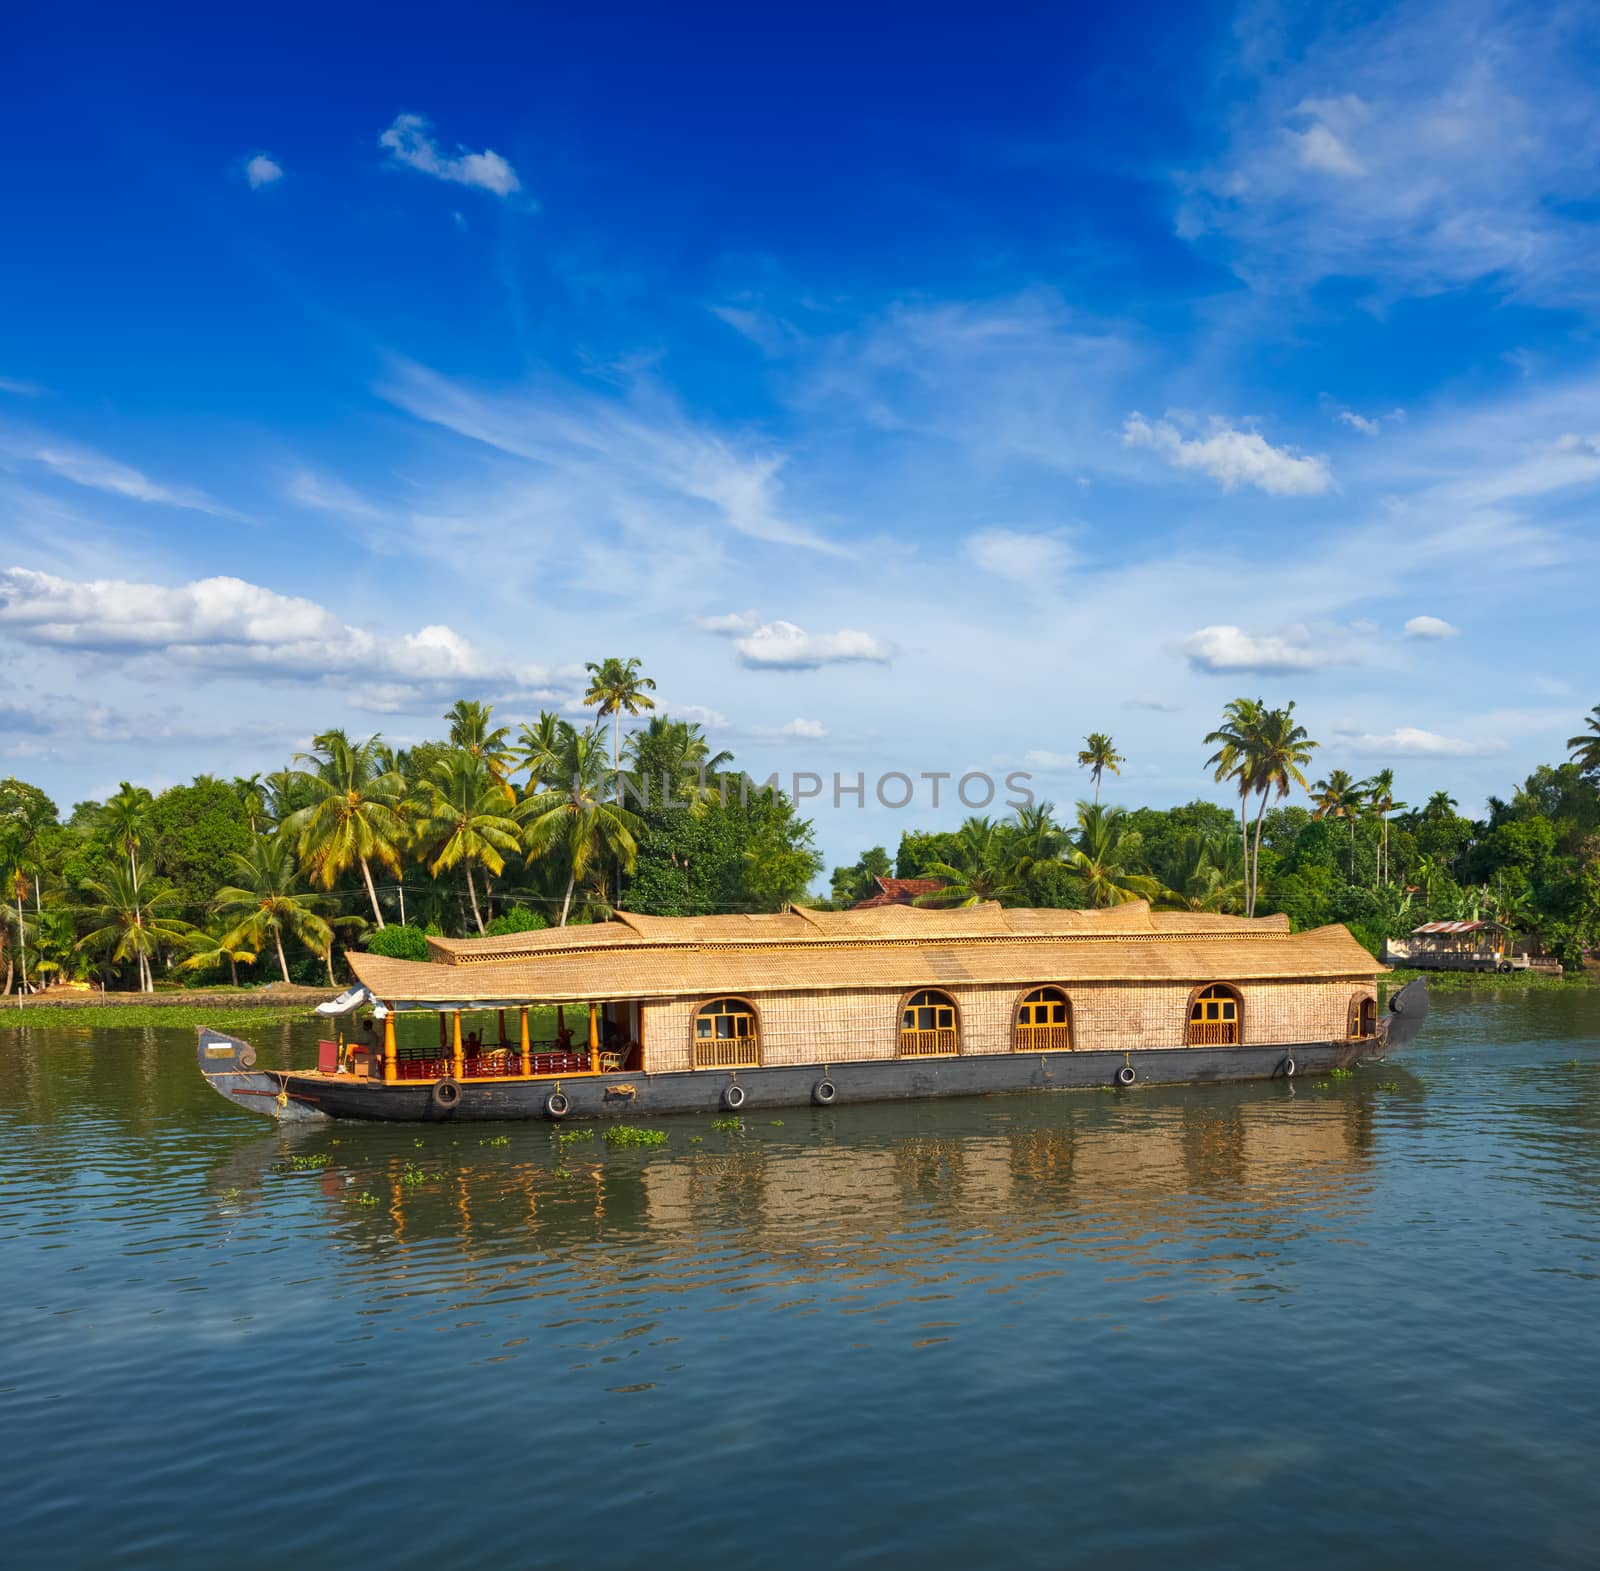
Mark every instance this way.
x=831 y=1203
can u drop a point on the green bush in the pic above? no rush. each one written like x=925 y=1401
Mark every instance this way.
x=398 y=942
x=519 y=919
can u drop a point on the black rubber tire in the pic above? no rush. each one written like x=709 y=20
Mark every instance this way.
x=733 y=1098
x=1506 y=968
x=446 y=1095
x=556 y=1105
x=824 y=1093
x=1288 y=1069
x=1126 y=1075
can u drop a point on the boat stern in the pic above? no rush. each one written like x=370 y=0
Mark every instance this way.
x=1408 y=1013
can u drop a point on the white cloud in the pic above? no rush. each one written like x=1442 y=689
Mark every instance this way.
x=698 y=714
x=226 y=626
x=1468 y=153
x=262 y=170
x=325 y=494
x=1019 y=557
x=12 y=384
x=410 y=142
x=94 y=471
x=1412 y=742
x=781 y=646
x=1429 y=627
x=1222 y=649
x=1231 y=457
x=793 y=730
x=731 y=624
x=1359 y=422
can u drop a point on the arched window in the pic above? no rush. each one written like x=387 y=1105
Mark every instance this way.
x=928 y=1026
x=726 y=1035
x=1215 y=1017
x=1363 y=1016
x=1044 y=1022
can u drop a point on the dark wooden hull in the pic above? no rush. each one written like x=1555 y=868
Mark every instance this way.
x=289 y=1095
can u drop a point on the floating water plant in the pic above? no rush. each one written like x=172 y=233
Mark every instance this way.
x=315 y=1159
x=567 y=1137
x=729 y=1126
x=627 y=1135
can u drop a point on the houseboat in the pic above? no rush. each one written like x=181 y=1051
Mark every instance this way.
x=651 y=1014
x=1457 y=946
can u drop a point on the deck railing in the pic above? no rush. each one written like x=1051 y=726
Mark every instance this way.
x=1044 y=1039
x=1213 y=1033
x=929 y=1044
x=727 y=1052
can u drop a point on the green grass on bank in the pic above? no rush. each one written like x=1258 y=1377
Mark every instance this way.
x=1476 y=981
x=220 y=1017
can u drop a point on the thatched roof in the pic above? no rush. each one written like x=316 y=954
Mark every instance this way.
x=902 y=947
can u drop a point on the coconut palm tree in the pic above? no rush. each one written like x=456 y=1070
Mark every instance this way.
x=1440 y=805
x=1380 y=795
x=1203 y=874
x=538 y=749
x=269 y=901
x=463 y=819
x=1100 y=856
x=1585 y=746
x=1036 y=839
x=489 y=745
x=672 y=762
x=1340 y=796
x=354 y=816
x=1097 y=756
x=614 y=686
x=982 y=866
x=1281 y=747
x=1238 y=744
x=135 y=917
x=572 y=817
x=126 y=820
x=211 y=949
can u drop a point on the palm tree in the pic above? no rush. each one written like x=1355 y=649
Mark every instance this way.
x=1202 y=875
x=354 y=818
x=538 y=749
x=268 y=901
x=1099 y=755
x=1585 y=746
x=674 y=757
x=252 y=797
x=1100 y=856
x=616 y=685
x=1281 y=748
x=126 y=818
x=211 y=949
x=573 y=815
x=462 y=817
x=1238 y=743
x=134 y=916
x=1339 y=796
x=1036 y=839
x=471 y=732
x=982 y=866
x=1440 y=805
x=1380 y=794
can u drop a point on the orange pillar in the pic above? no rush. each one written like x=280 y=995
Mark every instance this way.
x=459 y=1062
x=391 y=1064
x=527 y=1046
x=594 y=1038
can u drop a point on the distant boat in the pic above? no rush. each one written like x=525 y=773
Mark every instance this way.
x=717 y=1013
x=1460 y=946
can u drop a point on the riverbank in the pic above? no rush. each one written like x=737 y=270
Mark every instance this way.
x=223 y=1008
x=1496 y=981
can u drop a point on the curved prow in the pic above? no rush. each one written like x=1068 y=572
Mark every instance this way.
x=228 y=1065
x=1408 y=1013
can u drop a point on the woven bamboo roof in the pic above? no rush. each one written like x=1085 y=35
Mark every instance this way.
x=899 y=947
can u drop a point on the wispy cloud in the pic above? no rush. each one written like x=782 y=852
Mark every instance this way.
x=1018 y=556
x=783 y=646
x=260 y=170
x=1232 y=457
x=12 y=384
x=410 y=141
x=83 y=466
x=797 y=730
x=1413 y=742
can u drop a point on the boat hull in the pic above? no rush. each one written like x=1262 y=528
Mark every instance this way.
x=228 y=1065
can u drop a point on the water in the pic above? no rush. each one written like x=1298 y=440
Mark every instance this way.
x=1338 y=1323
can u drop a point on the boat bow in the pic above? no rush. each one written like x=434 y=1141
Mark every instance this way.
x=228 y=1065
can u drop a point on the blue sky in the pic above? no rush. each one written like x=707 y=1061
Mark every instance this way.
x=908 y=388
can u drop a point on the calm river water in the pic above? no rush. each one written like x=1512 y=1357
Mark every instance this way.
x=1338 y=1323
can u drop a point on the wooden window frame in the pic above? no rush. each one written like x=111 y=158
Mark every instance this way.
x=900 y=1026
x=754 y=1037
x=1196 y=996
x=1022 y=1039
x=1352 y=1019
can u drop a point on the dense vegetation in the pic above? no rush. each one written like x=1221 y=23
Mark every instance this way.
x=354 y=843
